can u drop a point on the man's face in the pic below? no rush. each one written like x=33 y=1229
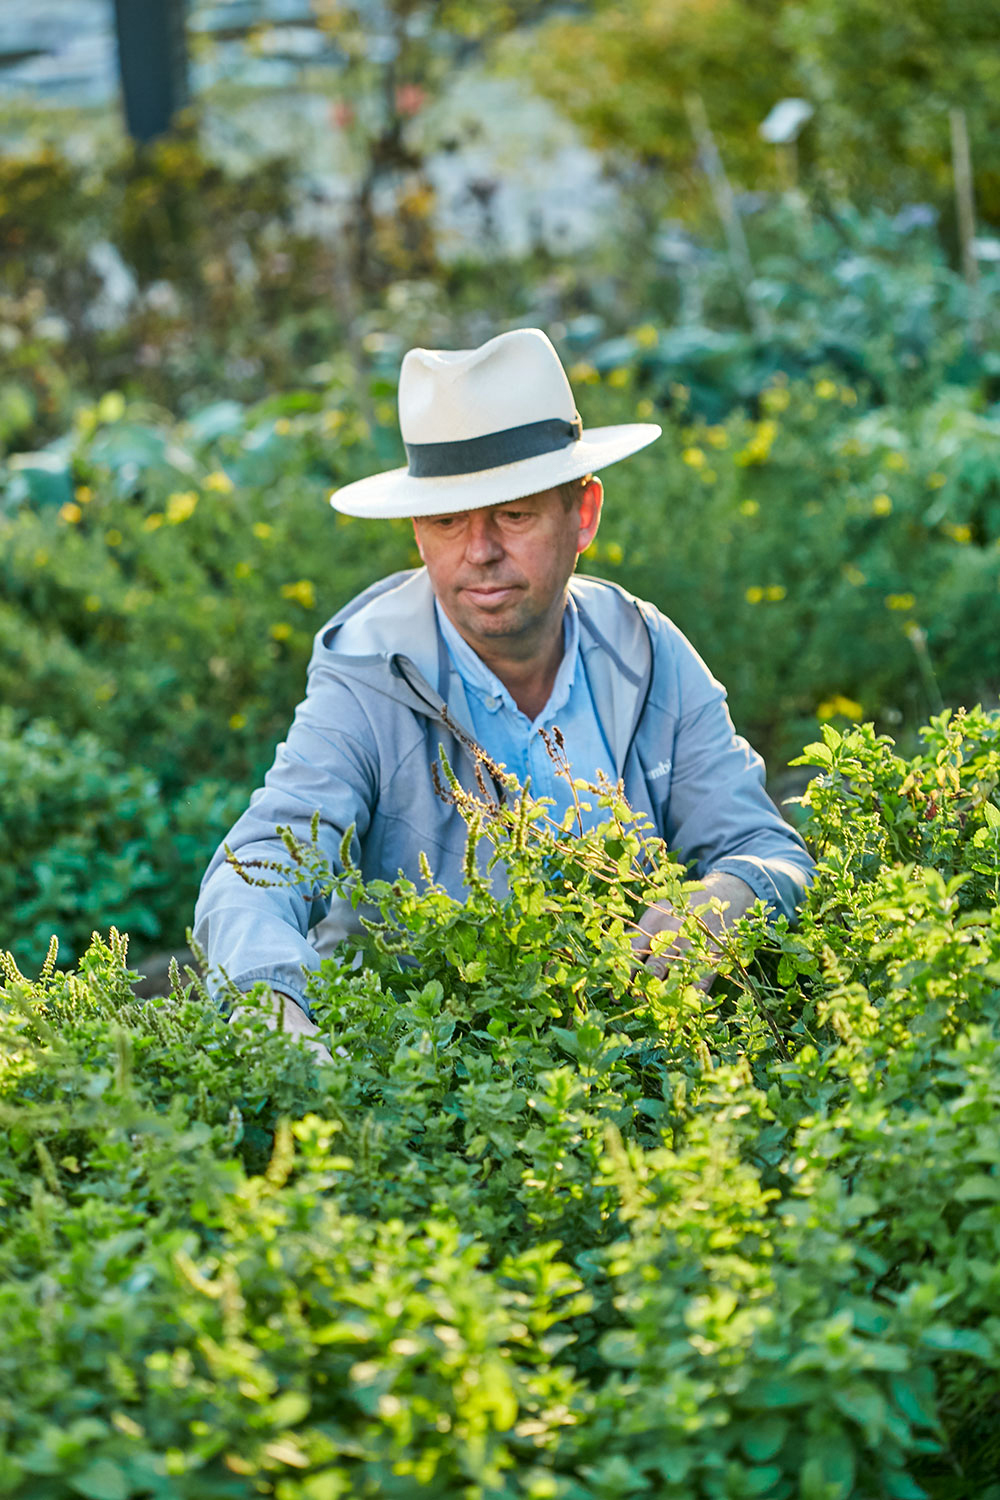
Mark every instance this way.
x=500 y=573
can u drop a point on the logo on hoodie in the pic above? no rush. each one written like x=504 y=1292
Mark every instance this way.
x=663 y=769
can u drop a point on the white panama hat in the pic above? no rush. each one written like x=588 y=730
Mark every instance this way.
x=482 y=426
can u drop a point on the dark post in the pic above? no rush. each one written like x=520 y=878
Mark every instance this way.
x=152 y=61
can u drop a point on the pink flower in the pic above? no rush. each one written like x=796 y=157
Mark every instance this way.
x=410 y=98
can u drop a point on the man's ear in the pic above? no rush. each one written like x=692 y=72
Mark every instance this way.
x=416 y=538
x=591 y=500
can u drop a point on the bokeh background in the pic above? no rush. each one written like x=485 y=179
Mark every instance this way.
x=770 y=226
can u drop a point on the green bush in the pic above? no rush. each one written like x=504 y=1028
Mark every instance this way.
x=162 y=580
x=82 y=831
x=543 y=1227
x=172 y=597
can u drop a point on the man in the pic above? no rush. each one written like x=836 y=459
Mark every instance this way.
x=495 y=635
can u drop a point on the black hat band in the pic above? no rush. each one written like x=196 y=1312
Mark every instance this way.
x=493 y=449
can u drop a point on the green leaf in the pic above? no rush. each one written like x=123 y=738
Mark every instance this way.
x=957 y=1340
x=329 y=1485
x=288 y=1409
x=621 y=1347
x=765 y=1438
x=781 y=1392
x=863 y=1403
x=41 y=478
x=991 y=814
x=758 y=1481
x=899 y=1486
x=816 y=754
x=977 y=1187
x=101 y=1480
x=830 y=1465
x=914 y=1395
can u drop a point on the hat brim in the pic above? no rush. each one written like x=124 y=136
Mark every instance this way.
x=397 y=493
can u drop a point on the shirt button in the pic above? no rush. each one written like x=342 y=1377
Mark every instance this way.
x=492 y=703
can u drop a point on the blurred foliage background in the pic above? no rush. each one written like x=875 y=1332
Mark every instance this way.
x=745 y=221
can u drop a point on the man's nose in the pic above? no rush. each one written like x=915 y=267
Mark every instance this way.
x=483 y=543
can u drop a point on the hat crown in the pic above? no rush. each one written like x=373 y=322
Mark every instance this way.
x=449 y=395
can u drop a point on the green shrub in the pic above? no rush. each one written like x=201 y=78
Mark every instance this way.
x=82 y=831
x=543 y=1227
x=830 y=562
x=174 y=595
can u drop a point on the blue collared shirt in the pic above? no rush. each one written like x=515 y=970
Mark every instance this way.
x=515 y=741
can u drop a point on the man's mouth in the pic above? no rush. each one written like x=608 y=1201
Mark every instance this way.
x=489 y=593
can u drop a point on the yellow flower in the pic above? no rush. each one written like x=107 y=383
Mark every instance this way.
x=839 y=706
x=111 y=407
x=882 y=505
x=853 y=575
x=644 y=409
x=936 y=480
x=105 y=691
x=181 y=506
x=281 y=631
x=775 y=592
x=754 y=594
x=897 y=461
x=282 y=426
x=900 y=601
x=614 y=553
x=825 y=389
x=242 y=570
x=113 y=537
x=153 y=521
x=619 y=378
x=261 y=530
x=717 y=436
x=957 y=532
x=646 y=336
x=758 y=449
x=70 y=512
x=218 y=481
x=749 y=507
x=303 y=592
x=583 y=373
x=775 y=400
x=84 y=494
x=237 y=721
x=694 y=458
x=92 y=604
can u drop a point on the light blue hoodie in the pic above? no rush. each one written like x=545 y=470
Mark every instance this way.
x=363 y=741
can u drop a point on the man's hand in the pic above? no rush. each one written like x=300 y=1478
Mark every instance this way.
x=738 y=898
x=284 y=1014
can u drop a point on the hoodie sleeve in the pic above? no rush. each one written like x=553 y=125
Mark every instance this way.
x=329 y=763
x=719 y=816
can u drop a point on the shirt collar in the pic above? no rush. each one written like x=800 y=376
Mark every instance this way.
x=490 y=691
